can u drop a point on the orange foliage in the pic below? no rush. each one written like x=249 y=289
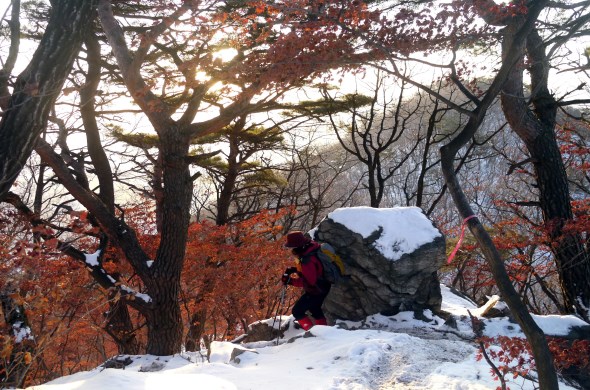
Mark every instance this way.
x=526 y=248
x=526 y=243
x=62 y=305
x=234 y=272
x=575 y=151
x=513 y=354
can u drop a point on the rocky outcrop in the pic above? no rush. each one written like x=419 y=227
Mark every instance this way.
x=264 y=331
x=378 y=284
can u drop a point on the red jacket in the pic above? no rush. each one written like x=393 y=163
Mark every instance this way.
x=310 y=271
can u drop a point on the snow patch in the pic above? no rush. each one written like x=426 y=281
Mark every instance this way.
x=21 y=332
x=387 y=356
x=404 y=229
x=92 y=259
x=144 y=297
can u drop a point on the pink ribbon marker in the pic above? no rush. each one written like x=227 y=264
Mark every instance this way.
x=463 y=225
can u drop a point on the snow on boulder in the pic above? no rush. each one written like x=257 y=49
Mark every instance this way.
x=391 y=256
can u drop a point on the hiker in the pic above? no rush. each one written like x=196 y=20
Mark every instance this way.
x=308 y=275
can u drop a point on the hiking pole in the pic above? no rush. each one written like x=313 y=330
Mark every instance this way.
x=279 y=309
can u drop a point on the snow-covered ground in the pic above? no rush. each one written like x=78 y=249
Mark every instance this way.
x=397 y=352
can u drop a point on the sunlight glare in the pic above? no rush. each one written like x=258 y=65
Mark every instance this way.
x=226 y=54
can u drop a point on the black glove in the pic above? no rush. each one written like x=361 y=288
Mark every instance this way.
x=290 y=270
x=286 y=278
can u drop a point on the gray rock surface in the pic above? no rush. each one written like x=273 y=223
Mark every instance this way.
x=376 y=284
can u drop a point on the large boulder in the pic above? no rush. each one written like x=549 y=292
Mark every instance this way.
x=391 y=258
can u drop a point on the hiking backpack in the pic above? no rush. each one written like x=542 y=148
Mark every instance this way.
x=331 y=263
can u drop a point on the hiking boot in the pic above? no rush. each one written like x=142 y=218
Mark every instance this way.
x=305 y=323
x=321 y=321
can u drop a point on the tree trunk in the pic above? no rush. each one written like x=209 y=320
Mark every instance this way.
x=535 y=336
x=572 y=259
x=10 y=60
x=164 y=322
x=120 y=327
x=162 y=279
x=512 y=53
x=196 y=330
x=536 y=128
x=97 y=154
x=229 y=179
x=228 y=186
x=39 y=84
